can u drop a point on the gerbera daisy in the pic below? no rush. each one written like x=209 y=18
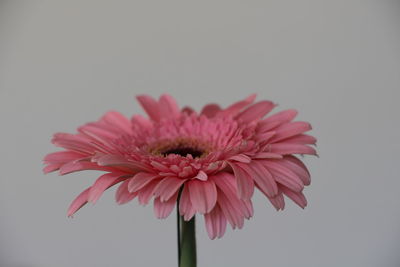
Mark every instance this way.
x=208 y=162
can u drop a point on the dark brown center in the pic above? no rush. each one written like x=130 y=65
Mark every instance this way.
x=183 y=151
x=182 y=146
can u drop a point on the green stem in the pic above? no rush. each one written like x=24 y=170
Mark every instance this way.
x=187 y=243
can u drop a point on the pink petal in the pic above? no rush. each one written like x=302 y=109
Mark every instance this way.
x=276 y=120
x=106 y=129
x=185 y=206
x=241 y=158
x=81 y=166
x=140 y=180
x=245 y=184
x=234 y=208
x=147 y=192
x=267 y=155
x=168 y=107
x=284 y=176
x=232 y=213
x=282 y=116
x=202 y=176
x=73 y=142
x=303 y=139
x=122 y=195
x=226 y=182
x=102 y=183
x=298 y=167
x=150 y=106
x=141 y=121
x=63 y=157
x=262 y=177
x=164 y=209
x=118 y=120
x=159 y=167
x=203 y=195
x=51 y=168
x=256 y=111
x=168 y=187
x=297 y=197
x=210 y=110
x=264 y=137
x=98 y=134
x=290 y=129
x=215 y=223
x=78 y=202
x=248 y=211
x=235 y=108
x=287 y=149
x=119 y=161
x=278 y=202
x=266 y=127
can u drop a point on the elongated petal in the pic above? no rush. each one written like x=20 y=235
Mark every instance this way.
x=298 y=167
x=150 y=106
x=142 y=122
x=51 y=168
x=122 y=195
x=147 y=192
x=303 y=139
x=232 y=213
x=168 y=187
x=185 y=205
x=102 y=183
x=98 y=134
x=256 y=111
x=77 y=143
x=267 y=155
x=284 y=176
x=63 y=157
x=262 y=177
x=78 y=202
x=241 y=158
x=297 y=197
x=163 y=209
x=290 y=130
x=81 y=166
x=203 y=195
x=248 y=208
x=168 y=107
x=245 y=184
x=278 y=202
x=117 y=120
x=287 y=149
x=140 y=180
x=235 y=108
x=235 y=209
x=215 y=223
x=282 y=116
x=118 y=161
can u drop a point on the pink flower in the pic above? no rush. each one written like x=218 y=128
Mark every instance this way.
x=214 y=159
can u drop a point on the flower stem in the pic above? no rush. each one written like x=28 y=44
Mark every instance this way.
x=187 y=243
x=186 y=233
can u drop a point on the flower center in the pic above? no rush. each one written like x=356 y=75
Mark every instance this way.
x=181 y=147
x=183 y=151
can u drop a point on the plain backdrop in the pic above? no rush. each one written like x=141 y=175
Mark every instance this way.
x=64 y=63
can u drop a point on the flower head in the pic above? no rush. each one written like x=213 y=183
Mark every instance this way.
x=213 y=159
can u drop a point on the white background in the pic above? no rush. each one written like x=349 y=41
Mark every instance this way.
x=64 y=63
